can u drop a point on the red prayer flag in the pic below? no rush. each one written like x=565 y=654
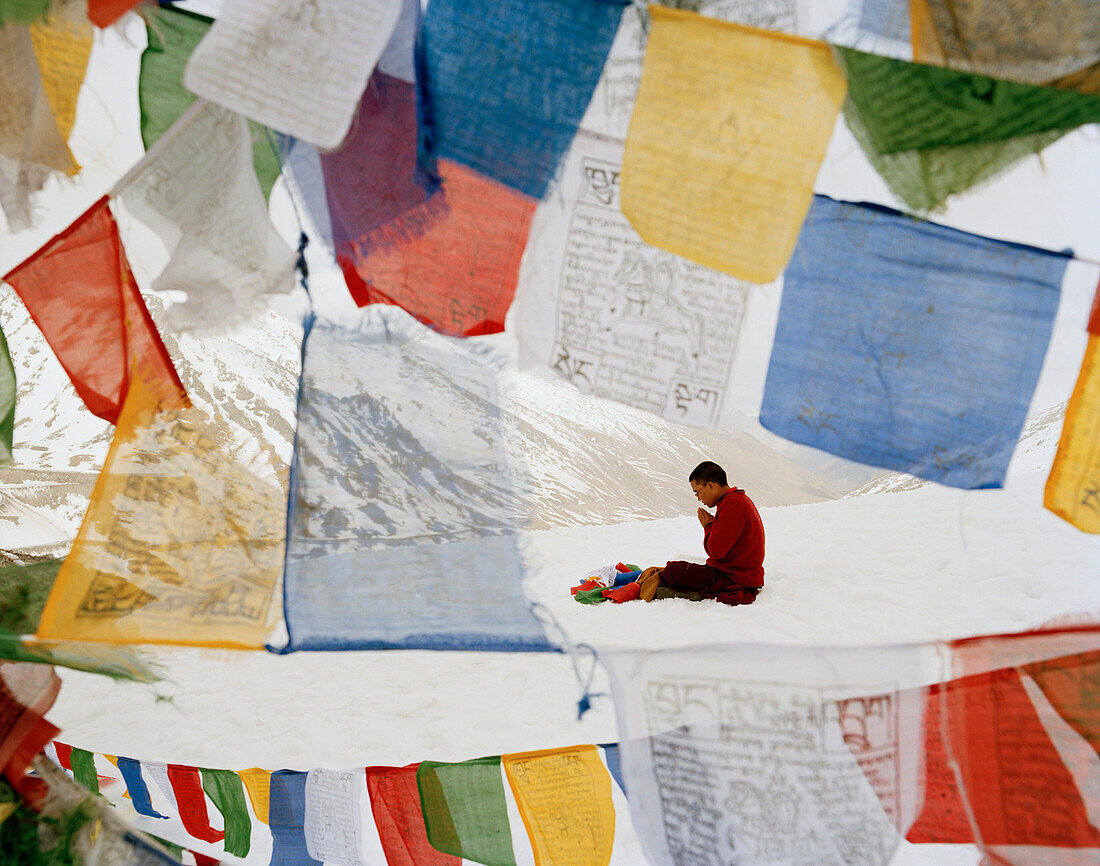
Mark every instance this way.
x=80 y=292
x=460 y=275
x=104 y=13
x=1094 y=316
x=395 y=803
x=64 y=755
x=31 y=788
x=191 y=801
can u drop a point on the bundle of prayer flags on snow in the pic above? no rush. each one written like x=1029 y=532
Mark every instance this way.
x=297 y=68
x=112 y=339
x=370 y=563
x=728 y=133
x=172 y=35
x=1037 y=41
x=1073 y=488
x=182 y=541
x=883 y=359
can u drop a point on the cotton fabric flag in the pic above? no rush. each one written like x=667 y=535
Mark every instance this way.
x=62 y=46
x=191 y=801
x=464 y=810
x=385 y=412
x=9 y=388
x=1073 y=487
x=258 y=784
x=1036 y=41
x=27 y=691
x=136 y=787
x=564 y=798
x=729 y=130
x=104 y=13
x=110 y=337
x=82 y=763
x=297 y=68
x=226 y=792
x=395 y=804
x=287 y=819
x=172 y=36
x=182 y=541
x=908 y=345
x=762 y=753
x=908 y=106
x=197 y=190
x=459 y=276
x=23 y=11
x=333 y=817
x=616 y=317
x=508 y=81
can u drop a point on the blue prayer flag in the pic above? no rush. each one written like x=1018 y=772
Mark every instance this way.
x=908 y=345
x=507 y=81
x=286 y=817
x=403 y=518
x=136 y=787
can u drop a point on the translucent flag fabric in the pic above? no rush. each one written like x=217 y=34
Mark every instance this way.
x=182 y=542
x=460 y=275
x=925 y=178
x=616 y=317
x=908 y=345
x=1073 y=487
x=751 y=753
x=1035 y=41
x=728 y=133
x=23 y=11
x=395 y=804
x=62 y=45
x=27 y=691
x=298 y=68
x=9 y=388
x=226 y=792
x=911 y=105
x=564 y=798
x=508 y=81
x=333 y=816
x=110 y=335
x=465 y=812
x=172 y=36
x=197 y=191
x=287 y=819
x=403 y=513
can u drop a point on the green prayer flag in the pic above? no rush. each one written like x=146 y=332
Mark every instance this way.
x=226 y=791
x=909 y=106
x=8 y=390
x=465 y=813
x=171 y=847
x=24 y=588
x=23 y=11
x=924 y=179
x=590 y=596
x=173 y=35
x=83 y=765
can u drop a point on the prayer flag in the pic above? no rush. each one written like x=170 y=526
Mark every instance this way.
x=614 y=764
x=908 y=345
x=395 y=804
x=191 y=802
x=1037 y=41
x=104 y=13
x=616 y=317
x=198 y=191
x=1073 y=487
x=27 y=691
x=182 y=541
x=258 y=784
x=509 y=80
x=62 y=46
x=465 y=813
x=906 y=106
x=172 y=35
x=82 y=763
x=373 y=563
x=459 y=275
x=287 y=819
x=728 y=133
x=23 y=11
x=79 y=290
x=333 y=816
x=298 y=68
x=9 y=388
x=564 y=798
x=226 y=791
x=136 y=787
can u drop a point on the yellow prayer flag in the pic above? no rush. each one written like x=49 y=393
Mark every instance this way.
x=182 y=542
x=564 y=798
x=62 y=46
x=1073 y=488
x=258 y=784
x=729 y=130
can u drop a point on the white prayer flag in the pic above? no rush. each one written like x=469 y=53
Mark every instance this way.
x=334 y=816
